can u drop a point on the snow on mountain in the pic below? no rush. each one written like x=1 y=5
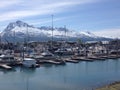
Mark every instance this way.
x=87 y=33
x=20 y=30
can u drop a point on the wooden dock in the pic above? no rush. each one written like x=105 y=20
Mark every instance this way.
x=70 y=60
x=96 y=58
x=76 y=59
x=5 y=66
x=51 y=62
x=86 y=59
x=90 y=58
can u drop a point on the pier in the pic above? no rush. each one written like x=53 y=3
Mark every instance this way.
x=51 y=62
x=82 y=58
x=71 y=60
x=86 y=59
x=5 y=66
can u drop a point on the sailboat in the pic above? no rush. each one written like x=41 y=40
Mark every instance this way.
x=28 y=62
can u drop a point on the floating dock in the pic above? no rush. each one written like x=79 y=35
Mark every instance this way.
x=70 y=60
x=5 y=66
x=96 y=58
x=51 y=62
x=86 y=59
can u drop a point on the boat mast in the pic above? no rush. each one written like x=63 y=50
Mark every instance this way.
x=65 y=33
x=27 y=39
x=52 y=32
x=14 y=43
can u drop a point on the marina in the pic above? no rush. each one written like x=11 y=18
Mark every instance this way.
x=60 y=45
x=65 y=68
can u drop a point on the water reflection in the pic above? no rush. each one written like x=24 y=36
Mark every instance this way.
x=27 y=70
x=5 y=71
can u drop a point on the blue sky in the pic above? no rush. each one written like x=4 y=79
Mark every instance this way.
x=101 y=17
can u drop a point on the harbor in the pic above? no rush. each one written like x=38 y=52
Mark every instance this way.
x=36 y=54
x=60 y=45
x=70 y=68
x=72 y=76
x=57 y=61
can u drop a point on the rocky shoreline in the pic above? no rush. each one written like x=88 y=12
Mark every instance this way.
x=112 y=86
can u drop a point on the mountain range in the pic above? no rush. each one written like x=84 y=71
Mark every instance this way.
x=20 y=31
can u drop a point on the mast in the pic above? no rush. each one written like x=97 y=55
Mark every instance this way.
x=27 y=39
x=0 y=42
x=65 y=33
x=52 y=32
x=14 y=43
x=0 y=39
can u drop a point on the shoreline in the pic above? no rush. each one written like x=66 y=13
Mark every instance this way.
x=113 y=86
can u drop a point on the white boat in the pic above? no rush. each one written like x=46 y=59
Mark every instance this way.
x=45 y=56
x=7 y=58
x=29 y=62
x=64 y=51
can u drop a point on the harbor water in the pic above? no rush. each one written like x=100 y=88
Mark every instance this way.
x=72 y=76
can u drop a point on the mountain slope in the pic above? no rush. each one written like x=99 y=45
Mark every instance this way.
x=19 y=31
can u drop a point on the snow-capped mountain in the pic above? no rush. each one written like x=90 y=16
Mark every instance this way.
x=20 y=30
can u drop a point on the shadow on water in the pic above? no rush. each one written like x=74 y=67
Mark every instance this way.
x=5 y=71
x=47 y=65
x=27 y=70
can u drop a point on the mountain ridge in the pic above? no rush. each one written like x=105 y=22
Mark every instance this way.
x=21 y=30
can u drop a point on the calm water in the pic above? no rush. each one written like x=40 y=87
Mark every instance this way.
x=80 y=76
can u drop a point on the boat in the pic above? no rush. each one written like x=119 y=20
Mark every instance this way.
x=63 y=51
x=7 y=58
x=46 y=55
x=29 y=62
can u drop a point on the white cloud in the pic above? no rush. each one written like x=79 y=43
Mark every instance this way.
x=20 y=14
x=29 y=8
x=7 y=3
x=44 y=21
x=21 y=9
x=111 y=33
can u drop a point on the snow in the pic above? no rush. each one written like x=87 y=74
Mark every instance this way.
x=88 y=34
x=21 y=28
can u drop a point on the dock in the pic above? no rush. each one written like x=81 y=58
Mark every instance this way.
x=110 y=57
x=82 y=58
x=51 y=62
x=96 y=58
x=72 y=61
x=5 y=66
x=86 y=59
